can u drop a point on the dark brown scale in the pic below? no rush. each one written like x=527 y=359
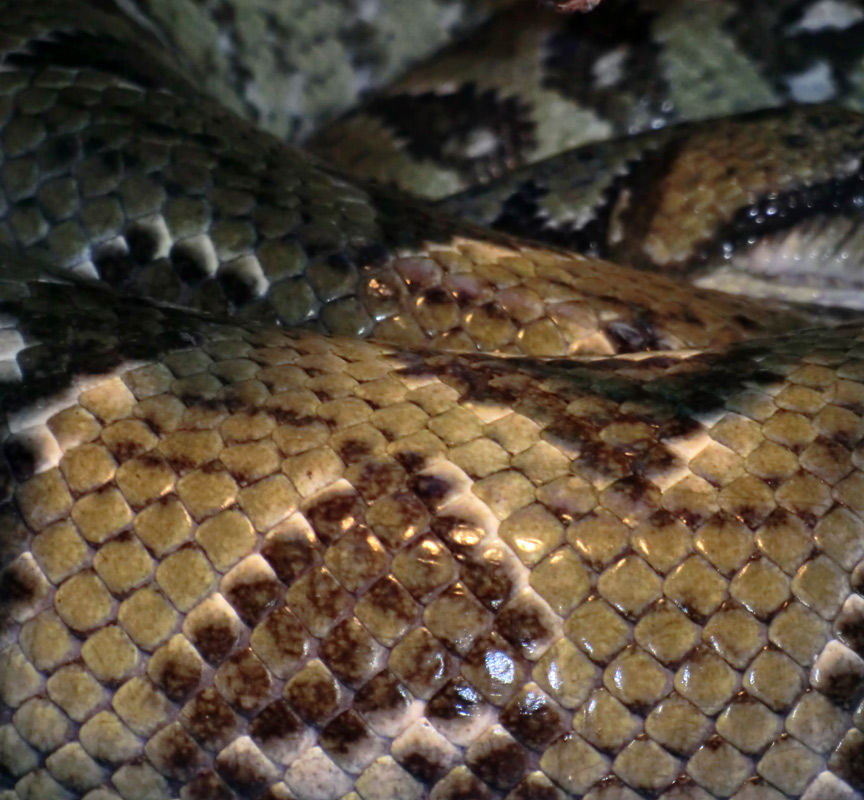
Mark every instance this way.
x=848 y=759
x=177 y=677
x=442 y=126
x=334 y=517
x=457 y=699
x=210 y=720
x=344 y=735
x=208 y=786
x=314 y=696
x=276 y=724
x=533 y=719
x=350 y=652
x=576 y=48
x=382 y=694
x=500 y=764
x=215 y=640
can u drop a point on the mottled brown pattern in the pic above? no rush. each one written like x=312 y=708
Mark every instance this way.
x=504 y=556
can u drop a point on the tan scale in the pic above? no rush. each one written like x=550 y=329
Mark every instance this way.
x=251 y=561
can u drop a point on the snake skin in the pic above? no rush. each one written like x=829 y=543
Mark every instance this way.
x=787 y=224
x=291 y=65
x=531 y=84
x=575 y=531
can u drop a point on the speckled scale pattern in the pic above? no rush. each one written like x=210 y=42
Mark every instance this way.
x=176 y=199
x=291 y=65
x=784 y=205
x=268 y=562
x=533 y=83
x=240 y=560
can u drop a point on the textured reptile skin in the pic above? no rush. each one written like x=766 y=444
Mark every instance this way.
x=787 y=223
x=532 y=83
x=242 y=560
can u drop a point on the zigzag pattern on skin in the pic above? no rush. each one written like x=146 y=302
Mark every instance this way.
x=290 y=66
x=248 y=560
x=530 y=84
x=787 y=223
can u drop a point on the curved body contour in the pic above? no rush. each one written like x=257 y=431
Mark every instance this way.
x=563 y=530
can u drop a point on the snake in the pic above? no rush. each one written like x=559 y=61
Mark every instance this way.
x=311 y=489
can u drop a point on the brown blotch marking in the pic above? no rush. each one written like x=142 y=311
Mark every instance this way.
x=335 y=516
x=244 y=775
x=246 y=681
x=342 y=734
x=252 y=599
x=533 y=791
x=347 y=650
x=275 y=723
x=571 y=430
x=598 y=459
x=411 y=461
x=533 y=719
x=807 y=517
x=214 y=640
x=459 y=534
x=655 y=461
x=466 y=786
x=383 y=693
x=286 y=634
x=214 y=468
x=392 y=600
x=636 y=489
x=489 y=582
x=456 y=699
x=847 y=761
x=437 y=296
x=178 y=677
x=838 y=446
x=210 y=720
x=431 y=662
x=207 y=786
x=324 y=596
x=151 y=459
x=750 y=516
x=422 y=767
x=690 y=518
x=430 y=489
x=856 y=580
x=842 y=683
x=501 y=765
x=521 y=626
x=313 y=696
x=290 y=558
x=181 y=464
x=19 y=586
x=284 y=417
x=377 y=479
x=21 y=460
x=353 y=451
x=183 y=758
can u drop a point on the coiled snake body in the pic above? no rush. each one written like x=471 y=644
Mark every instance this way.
x=563 y=529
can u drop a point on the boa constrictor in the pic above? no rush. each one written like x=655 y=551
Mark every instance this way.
x=558 y=529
